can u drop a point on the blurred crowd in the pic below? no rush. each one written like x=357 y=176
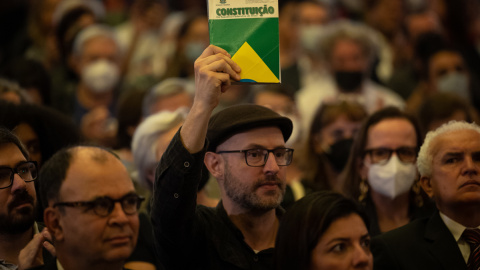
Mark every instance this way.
x=96 y=71
x=361 y=79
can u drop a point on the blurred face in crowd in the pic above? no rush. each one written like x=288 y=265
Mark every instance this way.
x=29 y=138
x=195 y=39
x=455 y=178
x=344 y=245
x=347 y=55
x=171 y=103
x=340 y=129
x=279 y=103
x=245 y=187
x=312 y=14
x=98 y=48
x=17 y=201
x=421 y=23
x=387 y=16
x=445 y=63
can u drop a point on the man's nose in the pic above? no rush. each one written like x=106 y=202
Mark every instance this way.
x=118 y=215
x=471 y=166
x=271 y=165
x=18 y=183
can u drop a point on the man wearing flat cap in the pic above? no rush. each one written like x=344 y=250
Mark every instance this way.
x=243 y=147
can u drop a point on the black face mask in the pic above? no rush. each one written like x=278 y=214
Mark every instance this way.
x=338 y=154
x=348 y=81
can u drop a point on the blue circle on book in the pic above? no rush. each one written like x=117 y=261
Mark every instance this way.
x=248 y=80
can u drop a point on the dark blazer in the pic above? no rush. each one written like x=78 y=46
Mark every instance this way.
x=422 y=244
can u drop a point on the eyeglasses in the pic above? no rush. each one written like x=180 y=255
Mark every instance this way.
x=103 y=206
x=258 y=157
x=382 y=155
x=27 y=171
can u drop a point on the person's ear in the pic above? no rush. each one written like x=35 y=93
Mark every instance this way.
x=426 y=183
x=52 y=220
x=215 y=164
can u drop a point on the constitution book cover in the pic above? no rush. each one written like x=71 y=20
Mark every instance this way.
x=248 y=30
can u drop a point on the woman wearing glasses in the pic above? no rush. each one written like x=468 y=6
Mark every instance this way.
x=381 y=171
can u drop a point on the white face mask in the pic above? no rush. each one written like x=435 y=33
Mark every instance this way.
x=455 y=83
x=100 y=76
x=393 y=178
x=310 y=36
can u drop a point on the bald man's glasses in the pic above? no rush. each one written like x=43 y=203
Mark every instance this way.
x=104 y=206
x=27 y=171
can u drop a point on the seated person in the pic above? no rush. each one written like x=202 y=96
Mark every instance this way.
x=323 y=230
x=91 y=213
x=449 y=167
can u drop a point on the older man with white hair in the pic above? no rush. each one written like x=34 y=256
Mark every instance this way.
x=449 y=167
x=150 y=141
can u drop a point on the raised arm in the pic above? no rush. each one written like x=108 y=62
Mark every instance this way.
x=213 y=71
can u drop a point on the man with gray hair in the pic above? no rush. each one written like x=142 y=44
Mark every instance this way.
x=96 y=60
x=449 y=167
x=349 y=50
x=168 y=95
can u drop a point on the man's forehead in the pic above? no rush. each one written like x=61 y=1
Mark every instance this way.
x=257 y=137
x=10 y=154
x=456 y=141
x=91 y=175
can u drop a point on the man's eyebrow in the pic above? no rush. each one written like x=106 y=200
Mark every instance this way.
x=16 y=164
x=258 y=146
x=453 y=154
x=124 y=195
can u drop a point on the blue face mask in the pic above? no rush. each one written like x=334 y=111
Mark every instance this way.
x=456 y=83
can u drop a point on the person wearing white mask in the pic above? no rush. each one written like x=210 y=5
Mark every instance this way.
x=381 y=172
x=313 y=16
x=96 y=58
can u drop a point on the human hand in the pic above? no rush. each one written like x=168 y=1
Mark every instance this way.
x=96 y=126
x=214 y=70
x=32 y=254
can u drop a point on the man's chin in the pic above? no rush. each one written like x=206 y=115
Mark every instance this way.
x=16 y=224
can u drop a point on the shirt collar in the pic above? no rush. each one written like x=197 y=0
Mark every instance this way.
x=454 y=227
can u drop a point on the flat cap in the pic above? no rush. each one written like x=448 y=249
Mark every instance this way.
x=244 y=117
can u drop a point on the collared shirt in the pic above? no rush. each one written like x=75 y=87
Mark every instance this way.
x=4 y=265
x=457 y=230
x=59 y=265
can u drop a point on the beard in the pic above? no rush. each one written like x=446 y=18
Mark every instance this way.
x=249 y=197
x=17 y=221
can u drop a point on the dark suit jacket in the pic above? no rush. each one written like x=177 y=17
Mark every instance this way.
x=422 y=244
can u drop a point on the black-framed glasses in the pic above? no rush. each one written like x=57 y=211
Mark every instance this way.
x=383 y=155
x=258 y=157
x=103 y=206
x=27 y=171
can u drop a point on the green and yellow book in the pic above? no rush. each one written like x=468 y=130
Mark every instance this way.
x=248 y=30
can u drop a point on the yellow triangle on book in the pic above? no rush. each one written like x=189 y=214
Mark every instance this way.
x=253 y=67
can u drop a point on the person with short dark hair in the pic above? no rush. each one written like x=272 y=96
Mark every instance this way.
x=243 y=147
x=17 y=205
x=91 y=209
x=317 y=229
x=449 y=167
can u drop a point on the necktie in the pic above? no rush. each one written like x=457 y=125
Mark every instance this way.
x=472 y=237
